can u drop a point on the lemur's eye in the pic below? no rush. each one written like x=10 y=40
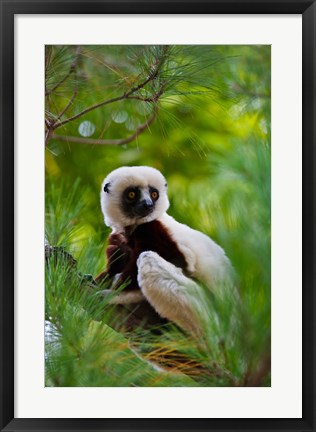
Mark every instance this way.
x=131 y=194
x=154 y=195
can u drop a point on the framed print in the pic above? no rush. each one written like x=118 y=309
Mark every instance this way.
x=157 y=195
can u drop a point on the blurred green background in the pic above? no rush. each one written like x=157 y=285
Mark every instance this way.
x=201 y=115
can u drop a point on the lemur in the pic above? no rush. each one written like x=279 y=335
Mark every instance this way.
x=163 y=261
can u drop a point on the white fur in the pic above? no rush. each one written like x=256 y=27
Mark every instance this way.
x=206 y=260
x=172 y=294
x=169 y=291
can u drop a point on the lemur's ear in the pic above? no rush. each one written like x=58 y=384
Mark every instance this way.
x=106 y=187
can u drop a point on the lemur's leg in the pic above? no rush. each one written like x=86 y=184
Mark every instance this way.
x=173 y=295
x=124 y=297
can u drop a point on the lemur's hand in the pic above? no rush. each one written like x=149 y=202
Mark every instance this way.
x=118 y=253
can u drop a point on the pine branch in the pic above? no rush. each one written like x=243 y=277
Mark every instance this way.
x=115 y=142
x=75 y=92
x=153 y=74
x=71 y=70
x=126 y=95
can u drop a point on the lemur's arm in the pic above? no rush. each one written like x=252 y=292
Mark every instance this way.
x=173 y=295
x=118 y=254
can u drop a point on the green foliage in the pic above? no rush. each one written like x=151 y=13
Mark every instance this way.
x=211 y=139
x=82 y=350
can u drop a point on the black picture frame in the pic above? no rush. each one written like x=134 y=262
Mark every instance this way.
x=8 y=10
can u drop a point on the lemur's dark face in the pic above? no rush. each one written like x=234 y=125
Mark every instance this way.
x=138 y=201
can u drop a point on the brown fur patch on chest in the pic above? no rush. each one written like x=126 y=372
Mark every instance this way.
x=153 y=236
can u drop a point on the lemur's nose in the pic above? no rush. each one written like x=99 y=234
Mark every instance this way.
x=147 y=204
